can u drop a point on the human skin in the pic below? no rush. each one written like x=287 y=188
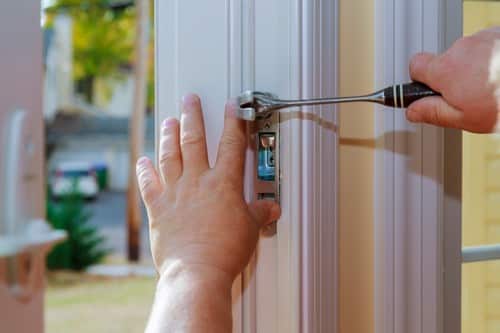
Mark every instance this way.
x=462 y=76
x=202 y=231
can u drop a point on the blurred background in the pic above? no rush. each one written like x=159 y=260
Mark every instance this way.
x=90 y=53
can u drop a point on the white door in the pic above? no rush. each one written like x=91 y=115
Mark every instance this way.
x=217 y=49
x=360 y=245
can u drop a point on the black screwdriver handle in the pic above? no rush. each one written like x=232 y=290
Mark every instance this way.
x=402 y=95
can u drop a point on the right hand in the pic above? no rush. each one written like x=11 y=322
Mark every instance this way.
x=461 y=75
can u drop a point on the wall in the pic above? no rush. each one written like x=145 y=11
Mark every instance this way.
x=356 y=158
x=481 y=203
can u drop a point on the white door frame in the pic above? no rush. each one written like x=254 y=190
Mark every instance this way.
x=220 y=48
x=418 y=189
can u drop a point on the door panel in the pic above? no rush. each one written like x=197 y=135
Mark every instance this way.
x=288 y=48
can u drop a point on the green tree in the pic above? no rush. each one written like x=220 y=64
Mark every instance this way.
x=103 y=39
x=84 y=246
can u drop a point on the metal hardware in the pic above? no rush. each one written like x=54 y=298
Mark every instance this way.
x=266 y=138
x=481 y=253
x=260 y=105
x=24 y=240
x=266 y=150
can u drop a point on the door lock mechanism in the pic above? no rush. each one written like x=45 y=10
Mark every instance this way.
x=267 y=169
x=266 y=165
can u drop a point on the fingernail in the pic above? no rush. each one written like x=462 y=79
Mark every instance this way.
x=189 y=100
x=143 y=160
x=231 y=106
x=169 y=122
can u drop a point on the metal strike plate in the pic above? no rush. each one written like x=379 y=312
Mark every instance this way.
x=267 y=162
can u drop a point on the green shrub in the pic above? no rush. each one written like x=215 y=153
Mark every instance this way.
x=84 y=246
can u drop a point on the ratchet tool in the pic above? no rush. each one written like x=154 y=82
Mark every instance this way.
x=259 y=105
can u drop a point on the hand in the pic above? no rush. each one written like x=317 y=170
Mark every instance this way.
x=461 y=75
x=199 y=220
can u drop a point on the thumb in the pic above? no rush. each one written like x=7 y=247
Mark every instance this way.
x=434 y=110
x=265 y=212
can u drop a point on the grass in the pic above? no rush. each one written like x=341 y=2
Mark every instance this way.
x=82 y=303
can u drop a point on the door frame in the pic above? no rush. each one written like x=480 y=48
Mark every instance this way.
x=418 y=182
x=279 y=292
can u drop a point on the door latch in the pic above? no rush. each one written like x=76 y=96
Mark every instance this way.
x=267 y=160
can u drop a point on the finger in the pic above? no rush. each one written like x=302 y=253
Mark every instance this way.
x=435 y=111
x=420 y=67
x=193 y=141
x=265 y=212
x=170 y=152
x=232 y=146
x=149 y=182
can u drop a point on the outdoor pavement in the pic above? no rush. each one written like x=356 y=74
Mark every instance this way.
x=109 y=214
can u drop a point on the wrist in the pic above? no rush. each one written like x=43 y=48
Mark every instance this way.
x=194 y=274
x=193 y=298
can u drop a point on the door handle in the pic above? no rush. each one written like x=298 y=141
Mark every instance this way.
x=24 y=239
x=31 y=245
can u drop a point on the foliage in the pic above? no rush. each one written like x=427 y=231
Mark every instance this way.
x=84 y=246
x=104 y=41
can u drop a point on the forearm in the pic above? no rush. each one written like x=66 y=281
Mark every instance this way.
x=192 y=301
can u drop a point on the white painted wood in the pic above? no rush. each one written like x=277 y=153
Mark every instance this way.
x=21 y=89
x=411 y=185
x=218 y=49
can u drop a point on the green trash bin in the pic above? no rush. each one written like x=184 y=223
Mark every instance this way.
x=101 y=170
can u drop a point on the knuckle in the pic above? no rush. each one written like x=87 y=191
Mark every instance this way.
x=415 y=62
x=141 y=171
x=210 y=181
x=231 y=185
x=146 y=188
x=420 y=65
x=233 y=141
x=413 y=66
x=145 y=185
x=434 y=116
x=445 y=63
x=192 y=138
x=168 y=157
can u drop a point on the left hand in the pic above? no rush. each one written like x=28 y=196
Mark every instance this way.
x=199 y=220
